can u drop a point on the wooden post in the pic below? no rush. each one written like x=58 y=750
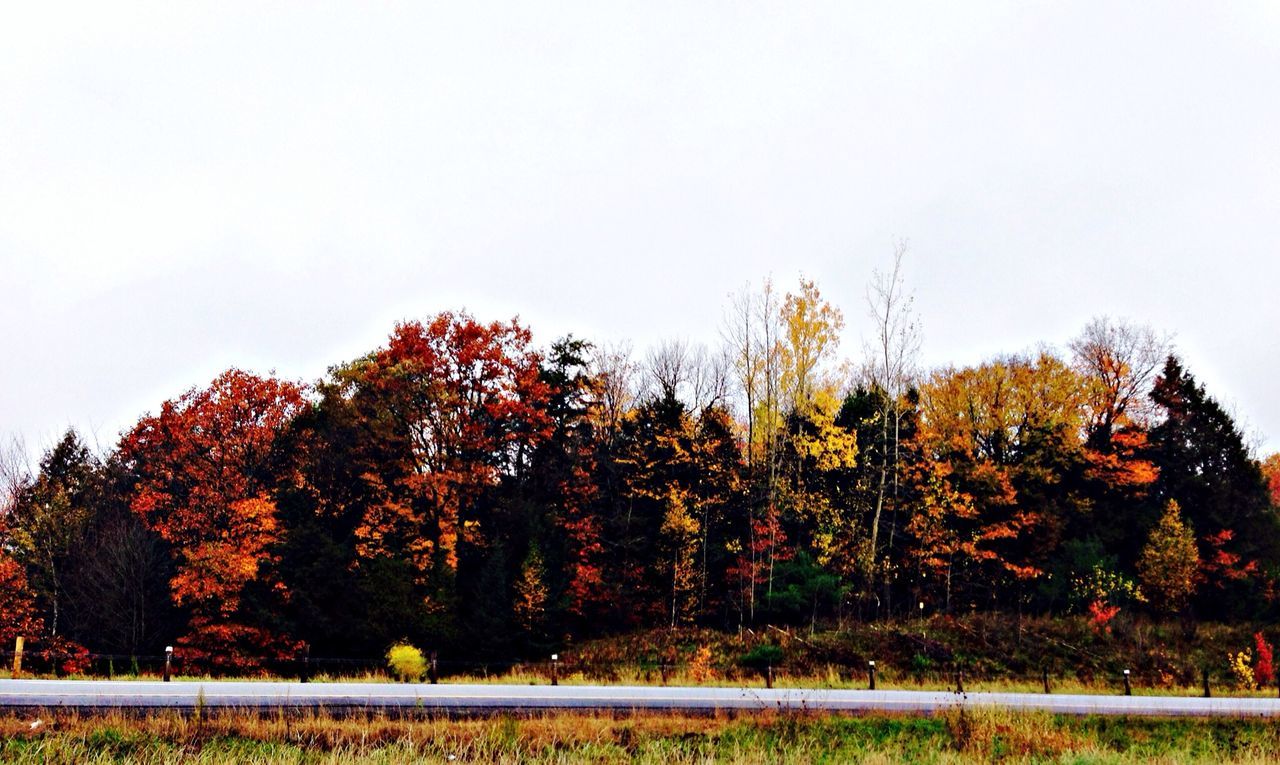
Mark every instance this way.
x=871 y=675
x=434 y=671
x=1128 y=689
x=768 y=676
x=555 y=667
x=1206 y=682
x=168 y=662
x=17 y=656
x=959 y=681
x=1045 y=673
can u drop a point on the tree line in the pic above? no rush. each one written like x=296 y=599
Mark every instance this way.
x=466 y=490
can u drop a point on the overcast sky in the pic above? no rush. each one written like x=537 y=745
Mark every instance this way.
x=184 y=190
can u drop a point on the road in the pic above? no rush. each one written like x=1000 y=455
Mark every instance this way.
x=524 y=698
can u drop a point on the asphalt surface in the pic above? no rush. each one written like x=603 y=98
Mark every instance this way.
x=103 y=694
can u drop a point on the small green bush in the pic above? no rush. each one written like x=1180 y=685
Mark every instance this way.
x=406 y=662
x=762 y=656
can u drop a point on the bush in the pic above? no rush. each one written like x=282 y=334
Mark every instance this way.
x=762 y=656
x=406 y=662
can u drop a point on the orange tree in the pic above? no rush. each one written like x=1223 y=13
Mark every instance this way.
x=203 y=481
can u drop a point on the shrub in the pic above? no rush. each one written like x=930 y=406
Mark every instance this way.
x=1240 y=668
x=762 y=656
x=1264 y=670
x=1100 y=616
x=700 y=664
x=406 y=662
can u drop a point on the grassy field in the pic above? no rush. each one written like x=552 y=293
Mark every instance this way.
x=226 y=737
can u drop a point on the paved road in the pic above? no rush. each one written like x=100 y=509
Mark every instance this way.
x=489 y=698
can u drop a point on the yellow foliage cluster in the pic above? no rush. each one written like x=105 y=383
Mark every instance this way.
x=1242 y=668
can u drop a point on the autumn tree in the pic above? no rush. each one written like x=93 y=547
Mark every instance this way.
x=18 y=614
x=1008 y=429
x=1271 y=473
x=811 y=336
x=564 y=488
x=455 y=406
x=821 y=456
x=1117 y=361
x=530 y=606
x=202 y=476
x=1169 y=564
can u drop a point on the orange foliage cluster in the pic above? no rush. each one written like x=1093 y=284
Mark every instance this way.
x=204 y=486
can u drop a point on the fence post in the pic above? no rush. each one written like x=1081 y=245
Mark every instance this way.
x=305 y=673
x=1045 y=673
x=959 y=681
x=1206 y=682
x=1128 y=690
x=768 y=676
x=871 y=675
x=17 y=656
x=434 y=671
x=168 y=662
x=555 y=667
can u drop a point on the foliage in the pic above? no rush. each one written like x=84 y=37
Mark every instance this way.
x=406 y=662
x=1241 y=669
x=1264 y=670
x=762 y=656
x=1105 y=585
x=1100 y=615
x=202 y=481
x=18 y=614
x=462 y=488
x=1169 y=564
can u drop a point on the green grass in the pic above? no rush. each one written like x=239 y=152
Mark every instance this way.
x=955 y=737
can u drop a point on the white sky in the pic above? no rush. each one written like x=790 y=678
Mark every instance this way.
x=183 y=190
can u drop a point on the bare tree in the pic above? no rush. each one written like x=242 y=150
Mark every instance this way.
x=889 y=371
x=613 y=366
x=15 y=474
x=1120 y=360
x=668 y=369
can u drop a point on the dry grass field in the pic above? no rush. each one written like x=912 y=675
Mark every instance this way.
x=227 y=737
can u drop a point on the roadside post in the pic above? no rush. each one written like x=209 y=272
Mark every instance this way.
x=871 y=675
x=17 y=655
x=1128 y=689
x=168 y=662
x=555 y=666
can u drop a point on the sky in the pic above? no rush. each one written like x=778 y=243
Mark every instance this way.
x=186 y=187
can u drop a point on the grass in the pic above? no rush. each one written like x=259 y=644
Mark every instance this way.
x=986 y=736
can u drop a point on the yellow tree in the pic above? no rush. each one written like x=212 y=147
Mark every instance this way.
x=811 y=329
x=680 y=533
x=823 y=449
x=1169 y=564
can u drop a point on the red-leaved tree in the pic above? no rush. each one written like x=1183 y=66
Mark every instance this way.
x=203 y=482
